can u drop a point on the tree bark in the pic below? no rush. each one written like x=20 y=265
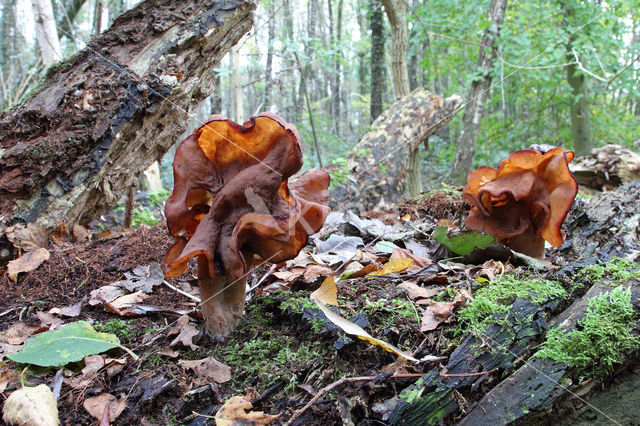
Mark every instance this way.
x=397 y=14
x=378 y=74
x=269 y=67
x=377 y=164
x=475 y=109
x=69 y=152
x=46 y=33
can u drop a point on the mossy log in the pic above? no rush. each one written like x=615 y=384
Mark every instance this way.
x=70 y=151
x=376 y=167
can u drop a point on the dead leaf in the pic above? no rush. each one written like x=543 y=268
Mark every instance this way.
x=28 y=238
x=27 y=262
x=105 y=294
x=208 y=370
x=31 y=406
x=8 y=375
x=290 y=275
x=50 y=321
x=327 y=293
x=80 y=233
x=19 y=332
x=417 y=292
x=234 y=412
x=60 y=234
x=364 y=271
x=169 y=353
x=68 y=311
x=7 y=349
x=418 y=261
x=439 y=312
x=355 y=330
x=96 y=405
x=142 y=278
x=186 y=332
x=123 y=304
x=313 y=272
x=393 y=266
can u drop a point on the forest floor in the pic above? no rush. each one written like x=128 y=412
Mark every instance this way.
x=475 y=324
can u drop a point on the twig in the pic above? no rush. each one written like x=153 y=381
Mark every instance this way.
x=481 y=373
x=264 y=277
x=339 y=382
x=184 y=293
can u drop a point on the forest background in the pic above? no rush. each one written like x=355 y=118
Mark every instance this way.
x=553 y=72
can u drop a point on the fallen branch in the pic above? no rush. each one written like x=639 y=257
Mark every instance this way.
x=342 y=381
x=481 y=373
x=184 y=293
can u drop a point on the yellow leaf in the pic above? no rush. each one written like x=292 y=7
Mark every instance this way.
x=394 y=265
x=327 y=293
x=355 y=330
x=237 y=411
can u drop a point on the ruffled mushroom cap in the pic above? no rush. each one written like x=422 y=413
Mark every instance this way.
x=231 y=197
x=524 y=201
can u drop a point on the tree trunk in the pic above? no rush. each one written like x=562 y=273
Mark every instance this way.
x=269 y=68
x=377 y=164
x=68 y=15
x=97 y=17
x=46 y=33
x=397 y=14
x=69 y=152
x=475 y=108
x=238 y=95
x=335 y=86
x=378 y=74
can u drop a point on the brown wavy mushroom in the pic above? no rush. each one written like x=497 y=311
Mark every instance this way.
x=231 y=199
x=525 y=201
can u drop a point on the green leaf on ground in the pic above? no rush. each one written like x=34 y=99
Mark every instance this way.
x=70 y=343
x=463 y=242
x=386 y=246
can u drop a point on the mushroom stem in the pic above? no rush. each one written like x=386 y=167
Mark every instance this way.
x=528 y=243
x=222 y=300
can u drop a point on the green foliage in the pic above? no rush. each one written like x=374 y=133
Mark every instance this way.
x=157 y=198
x=125 y=330
x=70 y=343
x=461 y=243
x=601 y=338
x=494 y=299
x=142 y=215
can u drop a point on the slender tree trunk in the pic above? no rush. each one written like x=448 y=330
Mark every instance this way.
x=478 y=94
x=397 y=14
x=97 y=17
x=290 y=61
x=238 y=95
x=580 y=124
x=268 y=69
x=216 y=98
x=335 y=86
x=68 y=16
x=46 y=33
x=378 y=74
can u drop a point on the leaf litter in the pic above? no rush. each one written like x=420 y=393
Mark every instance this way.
x=409 y=306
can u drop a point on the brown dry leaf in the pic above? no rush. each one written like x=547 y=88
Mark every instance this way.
x=19 y=332
x=96 y=405
x=80 y=233
x=122 y=305
x=31 y=406
x=60 y=234
x=327 y=293
x=169 y=353
x=186 y=333
x=28 y=238
x=436 y=313
x=27 y=262
x=372 y=267
x=88 y=375
x=8 y=375
x=313 y=272
x=208 y=370
x=418 y=261
x=234 y=412
x=417 y=292
x=290 y=275
x=393 y=266
x=301 y=260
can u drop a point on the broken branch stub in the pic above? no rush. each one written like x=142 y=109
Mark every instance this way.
x=231 y=199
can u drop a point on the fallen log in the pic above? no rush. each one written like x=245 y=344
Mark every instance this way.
x=376 y=167
x=100 y=118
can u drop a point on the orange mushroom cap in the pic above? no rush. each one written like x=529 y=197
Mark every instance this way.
x=524 y=201
x=231 y=196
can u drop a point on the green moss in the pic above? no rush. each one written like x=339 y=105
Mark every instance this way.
x=125 y=330
x=386 y=313
x=616 y=271
x=495 y=299
x=600 y=339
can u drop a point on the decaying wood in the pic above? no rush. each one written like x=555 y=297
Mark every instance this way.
x=102 y=117
x=376 y=166
x=607 y=167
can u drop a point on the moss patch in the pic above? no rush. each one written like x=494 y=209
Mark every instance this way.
x=601 y=337
x=616 y=271
x=494 y=299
